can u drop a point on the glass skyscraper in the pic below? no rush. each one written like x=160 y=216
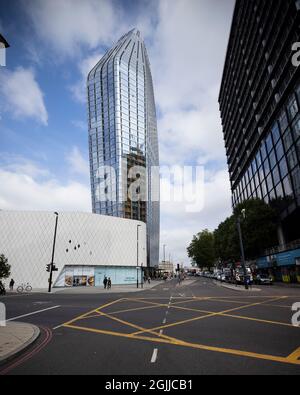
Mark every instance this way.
x=123 y=141
x=260 y=108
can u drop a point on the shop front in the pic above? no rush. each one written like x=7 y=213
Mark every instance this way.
x=283 y=266
x=90 y=276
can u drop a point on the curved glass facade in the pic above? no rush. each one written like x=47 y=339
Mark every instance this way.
x=123 y=136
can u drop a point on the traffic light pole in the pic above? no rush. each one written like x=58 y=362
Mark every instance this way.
x=242 y=251
x=53 y=250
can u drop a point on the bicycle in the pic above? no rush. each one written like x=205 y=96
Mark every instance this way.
x=24 y=288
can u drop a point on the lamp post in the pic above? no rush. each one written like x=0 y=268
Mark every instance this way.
x=242 y=247
x=137 y=256
x=53 y=251
x=164 y=247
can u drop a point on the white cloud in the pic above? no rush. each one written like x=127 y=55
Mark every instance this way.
x=178 y=226
x=70 y=24
x=78 y=164
x=79 y=88
x=21 y=189
x=22 y=96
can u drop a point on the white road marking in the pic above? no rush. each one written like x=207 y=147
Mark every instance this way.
x=154 y=355
x=161 y=331
x=164 y=321
x=34 y=312
x=56 y=327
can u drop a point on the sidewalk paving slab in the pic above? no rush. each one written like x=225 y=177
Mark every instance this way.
x=15 y=337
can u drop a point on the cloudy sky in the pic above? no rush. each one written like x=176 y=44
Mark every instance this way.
x=43 y=127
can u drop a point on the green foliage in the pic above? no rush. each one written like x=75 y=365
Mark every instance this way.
x=259 y=231
x=201 y=249
x=4 y=267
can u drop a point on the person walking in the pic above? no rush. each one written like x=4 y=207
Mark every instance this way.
x=109 y=283
x=11 y=284
x=105 y=282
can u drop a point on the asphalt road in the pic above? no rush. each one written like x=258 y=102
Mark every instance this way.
x=189 y=329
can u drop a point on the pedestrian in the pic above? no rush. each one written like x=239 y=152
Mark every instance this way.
x=105 y=282
x=149 y=280
x=11 y=284
x=109 y=283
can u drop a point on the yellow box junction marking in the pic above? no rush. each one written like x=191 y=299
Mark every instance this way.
x=293 y=358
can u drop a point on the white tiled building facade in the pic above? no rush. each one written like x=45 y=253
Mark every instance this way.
x=88 y=247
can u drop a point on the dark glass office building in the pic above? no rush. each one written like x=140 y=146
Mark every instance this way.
x=260 y=108
x=123 y=136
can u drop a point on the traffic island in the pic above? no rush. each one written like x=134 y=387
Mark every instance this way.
x=237 y=287
x=16 y=337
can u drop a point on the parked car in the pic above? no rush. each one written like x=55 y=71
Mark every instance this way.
x=263 y=279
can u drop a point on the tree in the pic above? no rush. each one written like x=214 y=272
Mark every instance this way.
x=201 y=249
x=4 y=267
x=259 y=226
x=259 y=229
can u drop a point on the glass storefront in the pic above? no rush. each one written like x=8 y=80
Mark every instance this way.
x=90 y=276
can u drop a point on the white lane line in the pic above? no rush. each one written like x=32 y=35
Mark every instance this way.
x=34 y=312
x=154 y=355
x=58 y=326
x=164 y=321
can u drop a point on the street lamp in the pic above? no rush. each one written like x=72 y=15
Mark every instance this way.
x=137 y=256
x=242 y=247
x=53 y=250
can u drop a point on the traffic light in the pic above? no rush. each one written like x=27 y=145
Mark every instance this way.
x=54 y=268
x=48 y=267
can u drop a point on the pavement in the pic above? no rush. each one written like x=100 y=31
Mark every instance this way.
x=237 y=287
x=15 y=337
x=194 y=328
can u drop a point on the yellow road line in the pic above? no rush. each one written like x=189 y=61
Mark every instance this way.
x=90 y=312
x=294 y=356
x=178 y=342
x=206 y=316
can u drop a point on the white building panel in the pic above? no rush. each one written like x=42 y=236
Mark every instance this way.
x=83 y=239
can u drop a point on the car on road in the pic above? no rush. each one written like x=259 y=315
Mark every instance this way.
x=263 y=279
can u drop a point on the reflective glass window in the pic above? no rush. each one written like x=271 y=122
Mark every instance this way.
x=279 y=150
x=283 y=121
x=272 y=159
x=292 y=158
x=266 y=166
x=287 y=186
x=263 y=151
x=283 y=167
x=276 y=176
x=296 y=127
x=296 y=180
x=269 y=182
x=287 y=139
x=275 y=133
x=269 y=143
x=292 y=107
x=279 y=191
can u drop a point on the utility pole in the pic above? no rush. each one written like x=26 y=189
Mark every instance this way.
x=137 y=256
x=53 y=251
x=242 y=248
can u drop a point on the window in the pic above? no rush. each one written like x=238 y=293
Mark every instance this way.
x=276 y=176
x=287 y=186
x=287 y=139
x=296 y=127
x=272 y=159
x=279 y=191
x=269 y=143
x=269 y=182
x=296 y=180
x=279 y=150
x=275 y=133
x=292 y=158
x=263 y=151
x=292 y=108
x=283 y=167
x=283 y=121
